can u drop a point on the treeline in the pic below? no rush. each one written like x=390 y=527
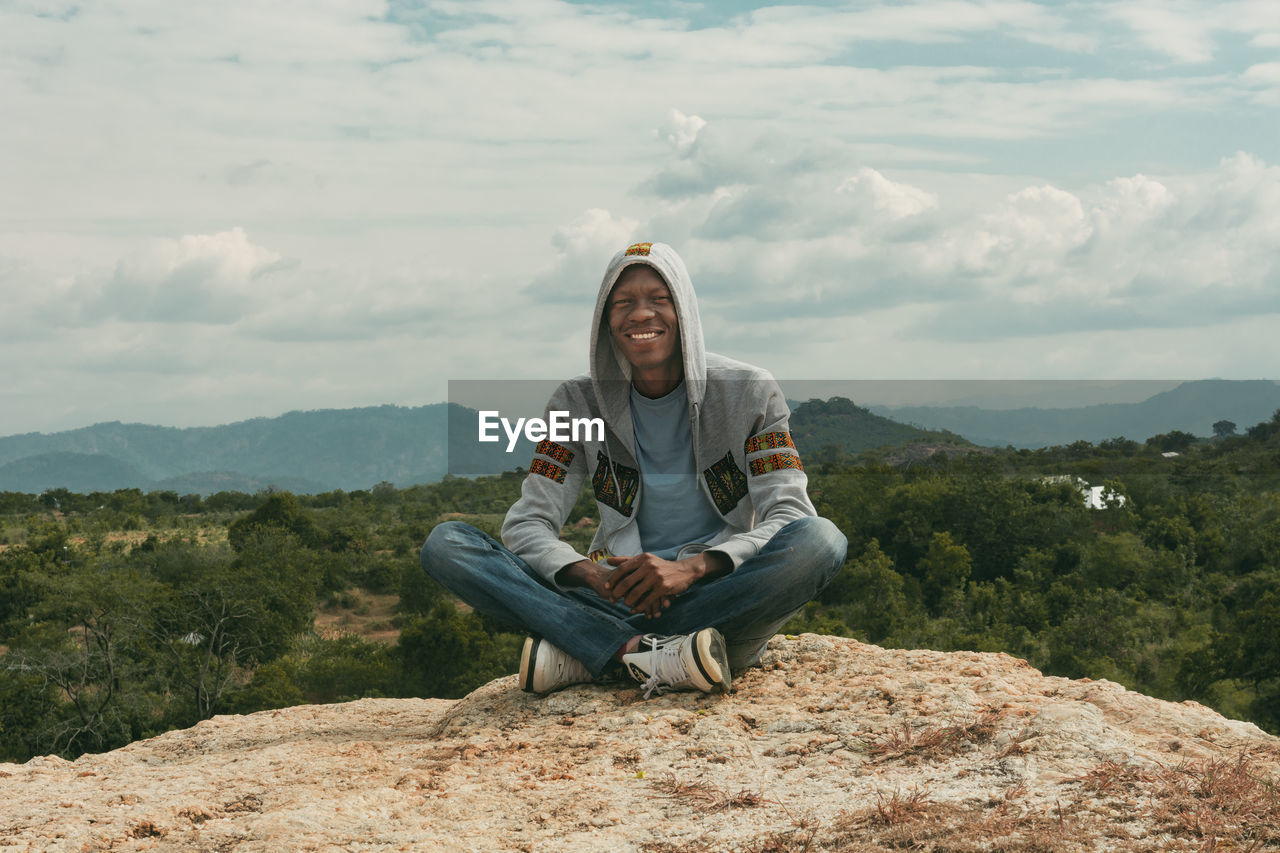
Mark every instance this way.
x=125 y=614
x=103 y=642
x=1172 y=588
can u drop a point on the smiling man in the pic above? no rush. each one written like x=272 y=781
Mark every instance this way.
x=707 y=541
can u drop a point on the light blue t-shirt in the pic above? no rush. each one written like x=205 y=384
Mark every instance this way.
x=673 y=511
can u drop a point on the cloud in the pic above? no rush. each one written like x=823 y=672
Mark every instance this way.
x=1189 y=31
x=1179 y=252
x=246 y=173
x=680 y=130
x=1168 y=28
x=1264 y=80
x=199 y=278
x=412 y=303
x=770 y=243
x=884 y=197
x=582 y=249
x=857 y=184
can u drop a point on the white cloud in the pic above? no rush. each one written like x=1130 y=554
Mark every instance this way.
x=1170 y=28
x=769 y=244
x=582 y=248
x=1264 y=79
x=1189 y=31
x=894 y=201
x=1264 y=73
x=1031 y=232
x=449 y=178
x=680 y=130
x=199 y=278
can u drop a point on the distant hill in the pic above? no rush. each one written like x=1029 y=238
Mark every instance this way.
x=78 y=472
x=839 y=422
x=211 y=482
x=358 y=448
x=317 y=451
x=1191 y=407
x=300 y=451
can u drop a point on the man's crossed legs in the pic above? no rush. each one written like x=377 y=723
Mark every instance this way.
x=746 y=607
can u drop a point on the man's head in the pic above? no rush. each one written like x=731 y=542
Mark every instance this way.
x=642 y=320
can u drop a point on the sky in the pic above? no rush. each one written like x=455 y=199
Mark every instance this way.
x=217 y=211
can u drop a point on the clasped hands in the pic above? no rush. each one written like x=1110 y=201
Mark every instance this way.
x=645 y=582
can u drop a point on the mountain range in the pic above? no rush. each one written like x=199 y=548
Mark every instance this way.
x=1192 y=407
x=312 y=451
x=327 y=449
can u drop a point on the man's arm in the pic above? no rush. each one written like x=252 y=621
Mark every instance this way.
x=531 y=528
x=775 y=476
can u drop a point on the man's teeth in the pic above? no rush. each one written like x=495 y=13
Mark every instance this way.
x=644 y=336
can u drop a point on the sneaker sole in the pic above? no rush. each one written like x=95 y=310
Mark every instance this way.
x=528 y=655
x=712 y=659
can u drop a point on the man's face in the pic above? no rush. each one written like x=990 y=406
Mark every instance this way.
x=642 y=320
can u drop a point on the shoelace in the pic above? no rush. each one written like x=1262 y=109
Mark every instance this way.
x=668 y=667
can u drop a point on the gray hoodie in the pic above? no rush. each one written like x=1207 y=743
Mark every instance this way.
x=747 y=464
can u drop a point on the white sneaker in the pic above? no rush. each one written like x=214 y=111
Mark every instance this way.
x=544 y=668
x=696 y=661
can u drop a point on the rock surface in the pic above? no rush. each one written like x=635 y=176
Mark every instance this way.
x=829 y=745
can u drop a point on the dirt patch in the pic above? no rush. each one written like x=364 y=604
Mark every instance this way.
x=366 y=614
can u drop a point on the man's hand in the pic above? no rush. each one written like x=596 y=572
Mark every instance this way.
x=585 y=573
x=647 y=583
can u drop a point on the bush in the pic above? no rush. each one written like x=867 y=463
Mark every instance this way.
x=270 y=687
x=334 y=669
x=448 y=653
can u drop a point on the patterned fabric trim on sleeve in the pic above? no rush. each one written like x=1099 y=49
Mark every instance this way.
x=769 y=441
x=558 y=452
x=775 y=462
x=550 y=470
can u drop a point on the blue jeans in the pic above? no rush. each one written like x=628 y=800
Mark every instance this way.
x=748 y=606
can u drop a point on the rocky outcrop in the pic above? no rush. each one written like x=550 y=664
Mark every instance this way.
x=829 y=745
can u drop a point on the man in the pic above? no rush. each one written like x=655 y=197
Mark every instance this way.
x=707 y=540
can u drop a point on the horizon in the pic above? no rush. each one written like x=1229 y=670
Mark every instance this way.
x=237 y=209
x=1087 y=393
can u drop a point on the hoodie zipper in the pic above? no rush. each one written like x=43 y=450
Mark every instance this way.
x=695 y=413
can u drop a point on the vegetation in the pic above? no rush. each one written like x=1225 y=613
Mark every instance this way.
x=124 y=614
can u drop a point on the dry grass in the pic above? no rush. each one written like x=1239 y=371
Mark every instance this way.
x=707 y=797
x=898 y=808
x=1113 y=779
x=1211 y=805
x=1226 y=803
x=933 y=742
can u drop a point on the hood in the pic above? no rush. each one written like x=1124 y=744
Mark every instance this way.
x=610 y=371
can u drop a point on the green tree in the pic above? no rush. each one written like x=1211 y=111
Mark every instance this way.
x=868 y=594
x=280 y=511
x=270 y=687
x=1175 y=441
x=945 y=568
x=90 y=643
x=333 y=669
x=230 y=611
x=448 y=653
